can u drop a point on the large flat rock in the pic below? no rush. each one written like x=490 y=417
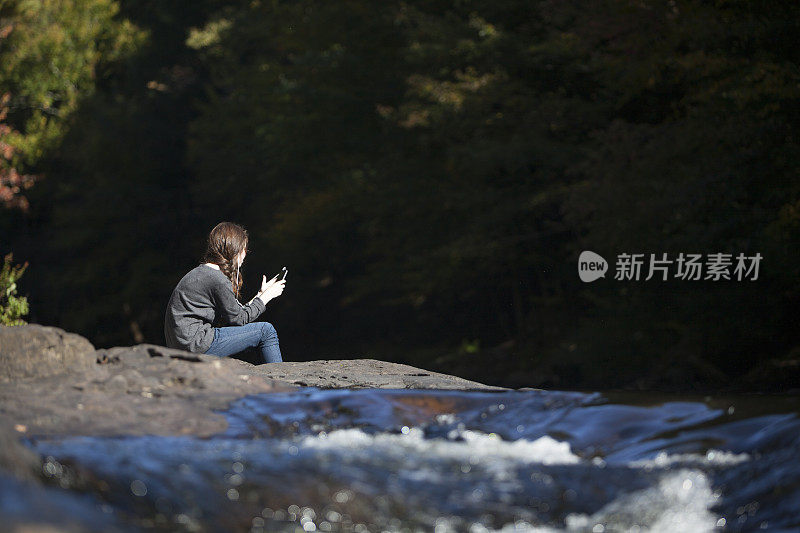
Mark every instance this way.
x=364 y=373
x=150 y=389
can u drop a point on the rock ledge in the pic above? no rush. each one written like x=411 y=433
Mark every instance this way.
x=55 y=383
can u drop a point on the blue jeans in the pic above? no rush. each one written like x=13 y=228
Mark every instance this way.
x=234 y=339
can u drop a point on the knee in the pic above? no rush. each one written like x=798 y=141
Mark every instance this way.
x=268 y=332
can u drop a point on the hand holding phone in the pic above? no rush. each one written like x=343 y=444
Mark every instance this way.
x=276 y=277
x=274 y=287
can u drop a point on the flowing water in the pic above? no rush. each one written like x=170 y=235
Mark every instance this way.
x=401 y=460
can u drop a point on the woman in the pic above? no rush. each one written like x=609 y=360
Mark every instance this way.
x=207 y=297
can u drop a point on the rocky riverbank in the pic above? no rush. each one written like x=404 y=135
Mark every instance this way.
x=56 y=383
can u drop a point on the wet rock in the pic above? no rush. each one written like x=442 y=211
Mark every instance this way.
x=33 y=350
x=15 y=458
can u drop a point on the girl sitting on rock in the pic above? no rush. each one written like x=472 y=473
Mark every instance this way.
x=207 y=297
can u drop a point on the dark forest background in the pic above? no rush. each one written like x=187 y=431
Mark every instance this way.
x=429 y=172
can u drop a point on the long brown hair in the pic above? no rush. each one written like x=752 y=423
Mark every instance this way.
x=225 y=242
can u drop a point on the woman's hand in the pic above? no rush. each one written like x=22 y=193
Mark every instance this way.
x=271 y=289
x=265 y=284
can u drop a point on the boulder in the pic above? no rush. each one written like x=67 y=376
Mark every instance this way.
x=33 y=350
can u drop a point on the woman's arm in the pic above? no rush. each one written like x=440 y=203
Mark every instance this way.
x=231 y=311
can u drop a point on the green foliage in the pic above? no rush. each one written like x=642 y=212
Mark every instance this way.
x=429 y=171
x=50 y=51
x=12 y=307
x=114 y=206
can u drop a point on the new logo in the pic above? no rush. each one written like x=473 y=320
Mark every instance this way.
x=591 y=266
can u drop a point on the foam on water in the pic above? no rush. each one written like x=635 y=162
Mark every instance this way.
x=472 y=445
x=680 y=502
x=711 y=457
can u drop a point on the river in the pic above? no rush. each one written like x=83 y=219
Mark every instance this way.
x=368 y=460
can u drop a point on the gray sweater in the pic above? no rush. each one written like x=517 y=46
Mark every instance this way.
x=202 y=300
